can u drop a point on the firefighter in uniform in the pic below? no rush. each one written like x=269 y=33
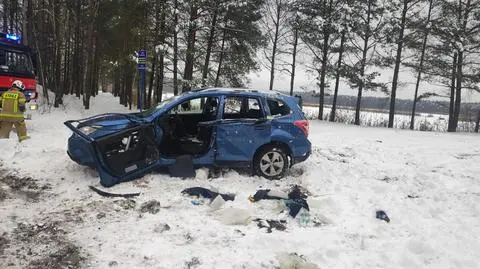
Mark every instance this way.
x=12 y=104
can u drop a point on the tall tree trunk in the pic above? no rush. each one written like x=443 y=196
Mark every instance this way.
x=275 y=41
x=77 y=63
x=363 y=63
x=152 y=78
x=420 y=66
x=220 y=58
x=90 y=50
x=58 y=56
x=294 y=59
x=323 y=71
x=190 y=57
x=337 y=76
x=96 y=68
x=452 y=94
x=175 y=49
x=160 y=80
x=25 y=32
x=398 y=59
x=211 y=38
x=66 y=62
x=477 y=123
x=5 y=17
x=458 y=90
x=161 y=64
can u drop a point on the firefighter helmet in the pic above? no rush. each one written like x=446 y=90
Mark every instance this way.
x=18 y=84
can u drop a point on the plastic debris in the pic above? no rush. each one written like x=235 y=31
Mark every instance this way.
x=294 y=261
x=235 y=216
x=382 y=215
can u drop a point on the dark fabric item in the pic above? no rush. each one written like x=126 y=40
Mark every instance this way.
x=382 y=215
x=296 y=193
x=199 y=191
x=263 y=194
x=295 y=202
x=206 y=193
x=271 y=224
x=108 y=194
x=295 y=205
x=183 y=167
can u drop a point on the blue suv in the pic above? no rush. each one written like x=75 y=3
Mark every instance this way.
x=239 y=128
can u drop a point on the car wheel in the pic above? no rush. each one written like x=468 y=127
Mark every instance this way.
x=271 y=163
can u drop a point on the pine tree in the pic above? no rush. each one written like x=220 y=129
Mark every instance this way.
x=367 y=26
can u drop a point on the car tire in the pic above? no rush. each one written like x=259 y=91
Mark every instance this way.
x=271 y=163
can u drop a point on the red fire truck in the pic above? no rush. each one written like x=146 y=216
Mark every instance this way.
x=17 y=63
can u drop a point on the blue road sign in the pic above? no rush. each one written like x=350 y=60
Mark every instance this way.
x=142 y=54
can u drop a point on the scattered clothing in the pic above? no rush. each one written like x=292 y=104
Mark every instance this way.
x=294 y=200
x=206 y=193
x=382 y=215
x=108 y=194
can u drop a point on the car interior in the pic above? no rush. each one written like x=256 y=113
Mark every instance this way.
x=182 y=132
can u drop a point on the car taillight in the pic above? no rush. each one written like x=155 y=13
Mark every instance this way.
x=303 y=125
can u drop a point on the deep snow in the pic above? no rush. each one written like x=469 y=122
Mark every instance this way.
x=353 y=172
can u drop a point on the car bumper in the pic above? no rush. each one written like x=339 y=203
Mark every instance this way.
x=302 y=150
x=299 y=159
x=80 y=151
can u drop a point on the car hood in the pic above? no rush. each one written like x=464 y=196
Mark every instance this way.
x=110 y=123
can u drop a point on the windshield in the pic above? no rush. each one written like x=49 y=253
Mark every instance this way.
x=151 y=110
x=15 y=62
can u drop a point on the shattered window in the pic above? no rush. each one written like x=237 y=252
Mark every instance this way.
x=192 y=106
x=242 y=108
x=233 y=105
x=278 y=108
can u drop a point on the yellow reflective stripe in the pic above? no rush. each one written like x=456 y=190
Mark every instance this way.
x=15 y=106
x=21 y=138
x=9 y=115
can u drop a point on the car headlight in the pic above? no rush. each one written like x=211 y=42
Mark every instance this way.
x=86 y=130
x=33 y=106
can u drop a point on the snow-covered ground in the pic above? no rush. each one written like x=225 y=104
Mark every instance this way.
x=428 y=183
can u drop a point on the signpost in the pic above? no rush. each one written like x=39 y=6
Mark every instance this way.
x=142 y=65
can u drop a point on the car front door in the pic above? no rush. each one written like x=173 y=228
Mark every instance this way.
x=123 y=155
x=242 y=129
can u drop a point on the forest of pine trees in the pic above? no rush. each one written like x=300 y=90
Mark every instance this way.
x=84 y=46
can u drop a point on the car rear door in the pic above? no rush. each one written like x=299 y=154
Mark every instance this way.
x=242 y=130
x=123 y=155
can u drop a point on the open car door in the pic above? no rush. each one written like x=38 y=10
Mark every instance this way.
x=124 y=155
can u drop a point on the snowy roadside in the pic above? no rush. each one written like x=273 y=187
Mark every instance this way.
x=428 y=183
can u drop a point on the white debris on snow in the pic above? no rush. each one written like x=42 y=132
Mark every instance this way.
x=428 y=183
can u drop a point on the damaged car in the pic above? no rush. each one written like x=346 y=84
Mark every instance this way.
x=265 y=132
